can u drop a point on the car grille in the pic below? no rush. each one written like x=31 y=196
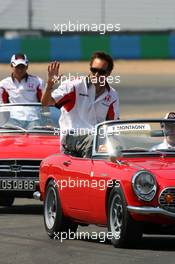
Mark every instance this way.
x=19 y=168
x=167 y=206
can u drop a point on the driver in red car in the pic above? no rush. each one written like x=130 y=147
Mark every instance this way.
x=84 y=102
x=21 y=88
x=169 y=132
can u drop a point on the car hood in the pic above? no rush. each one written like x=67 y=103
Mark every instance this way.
x=163 y=167
x=28 y=146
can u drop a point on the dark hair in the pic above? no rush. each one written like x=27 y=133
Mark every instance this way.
x=103 y=56
x=19 y=56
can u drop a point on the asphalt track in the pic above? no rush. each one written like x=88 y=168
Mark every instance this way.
x=22 y=234
x=23 y=240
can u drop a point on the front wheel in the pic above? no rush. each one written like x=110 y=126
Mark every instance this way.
x=123 y=229
x=54 y=220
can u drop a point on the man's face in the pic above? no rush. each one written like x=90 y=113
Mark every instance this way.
x=19 y=71
x=170 y=132
x=99 y=71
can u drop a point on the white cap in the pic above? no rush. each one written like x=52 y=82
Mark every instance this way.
x=170 y=115
x=17 y=59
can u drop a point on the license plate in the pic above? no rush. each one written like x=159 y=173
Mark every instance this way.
x=17 y=185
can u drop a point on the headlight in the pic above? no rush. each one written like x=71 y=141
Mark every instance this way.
x=144 y=185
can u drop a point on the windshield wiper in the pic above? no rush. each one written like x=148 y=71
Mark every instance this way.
x=13 y=127
x=164 y=150
x=135 y=150
x=142 y=152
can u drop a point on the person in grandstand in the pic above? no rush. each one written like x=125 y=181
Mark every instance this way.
x=169 y=133
x=84 y=102
x=21 y=87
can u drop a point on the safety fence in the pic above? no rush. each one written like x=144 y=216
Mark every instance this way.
x=80 y=47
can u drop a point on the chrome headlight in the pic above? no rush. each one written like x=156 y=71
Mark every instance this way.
x=144 y=185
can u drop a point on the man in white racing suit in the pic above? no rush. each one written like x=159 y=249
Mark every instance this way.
x=23 y=88
x=84 y=102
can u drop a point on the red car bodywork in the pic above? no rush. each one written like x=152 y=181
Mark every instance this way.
x=27 y=145
x=28 y=134
x=24 y=149
x=89 y=205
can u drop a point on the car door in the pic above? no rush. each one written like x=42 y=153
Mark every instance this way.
x=102 y=172
x=75 y=186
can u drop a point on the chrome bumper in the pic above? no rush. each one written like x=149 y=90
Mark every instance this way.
x=150 y=210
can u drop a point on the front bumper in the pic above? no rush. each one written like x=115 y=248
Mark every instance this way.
x=150 y=211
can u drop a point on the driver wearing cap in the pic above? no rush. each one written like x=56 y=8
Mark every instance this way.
x=23 y=88
x=169 y=132
x=20 y=87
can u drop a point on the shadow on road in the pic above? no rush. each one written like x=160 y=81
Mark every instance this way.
x=22 y=209
x=155 y=243
x=163 y=243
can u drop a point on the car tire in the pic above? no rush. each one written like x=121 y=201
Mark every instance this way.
x=125 y=232
x=6 y=200
x=54 y=220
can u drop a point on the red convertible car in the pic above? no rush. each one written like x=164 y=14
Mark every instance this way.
x=128 y=184
x=28 y=133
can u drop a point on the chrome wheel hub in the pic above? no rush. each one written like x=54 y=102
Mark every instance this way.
x=116 y=216
x=50 y=208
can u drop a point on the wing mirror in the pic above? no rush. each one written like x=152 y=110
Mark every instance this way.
x=117 y=153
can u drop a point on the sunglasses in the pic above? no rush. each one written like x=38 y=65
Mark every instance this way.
x=100 y=71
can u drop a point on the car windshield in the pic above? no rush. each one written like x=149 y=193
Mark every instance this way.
x=28 y=118
x=121 y=138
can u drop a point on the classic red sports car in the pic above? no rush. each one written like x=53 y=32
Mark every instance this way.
x=128 y=184
x=28 y=133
